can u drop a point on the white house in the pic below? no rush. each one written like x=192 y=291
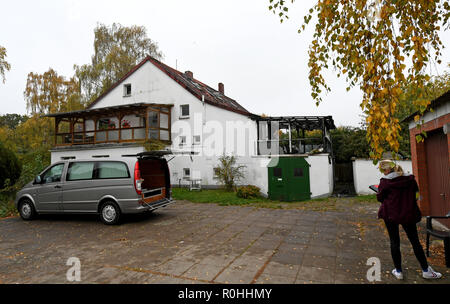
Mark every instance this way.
x=156 y=102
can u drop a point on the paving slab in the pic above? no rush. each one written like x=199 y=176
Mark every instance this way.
x=278 y=269
x=205 y=272
x=320 y=261
x=235 y=276
x=316 y=274
x=287 y=258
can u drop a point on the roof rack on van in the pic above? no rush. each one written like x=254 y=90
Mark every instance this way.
x=159 y=153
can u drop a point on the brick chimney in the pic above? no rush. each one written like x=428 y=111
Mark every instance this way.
x=221 y=88
x=189 y=74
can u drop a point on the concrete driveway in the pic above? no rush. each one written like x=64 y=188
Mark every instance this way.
x=204 y=243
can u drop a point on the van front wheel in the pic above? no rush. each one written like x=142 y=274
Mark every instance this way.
x=26 y=210
x=110 y=213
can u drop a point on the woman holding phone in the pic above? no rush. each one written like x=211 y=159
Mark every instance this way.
x=397 y=194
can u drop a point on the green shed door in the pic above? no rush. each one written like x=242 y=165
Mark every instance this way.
x=277 y=183
x=289 y=179
x=298 y=181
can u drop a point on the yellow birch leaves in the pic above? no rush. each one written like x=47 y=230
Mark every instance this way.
x=373 y=42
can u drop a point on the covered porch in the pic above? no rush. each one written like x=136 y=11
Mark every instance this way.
x=286 y=135
x=118 y=124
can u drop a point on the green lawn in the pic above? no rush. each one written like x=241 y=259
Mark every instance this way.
x=225 y=198
x=221 y=197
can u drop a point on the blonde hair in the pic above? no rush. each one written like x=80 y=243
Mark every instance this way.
x=388 y=164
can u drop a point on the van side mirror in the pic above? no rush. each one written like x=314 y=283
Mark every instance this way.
x=37 y=179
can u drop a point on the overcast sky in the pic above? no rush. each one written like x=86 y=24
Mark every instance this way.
x=262 y=63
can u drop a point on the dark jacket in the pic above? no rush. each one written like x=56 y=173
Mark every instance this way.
x=398 y=200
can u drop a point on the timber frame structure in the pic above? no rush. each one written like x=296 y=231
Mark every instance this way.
x=146 y=121
x=270 y=144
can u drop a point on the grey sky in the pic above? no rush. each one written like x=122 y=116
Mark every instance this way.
x=262 y=63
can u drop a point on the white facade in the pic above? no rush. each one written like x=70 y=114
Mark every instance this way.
x=365 y=174
x=151 y=85
x=321 y=175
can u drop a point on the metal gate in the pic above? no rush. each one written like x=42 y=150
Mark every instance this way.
x=438 y=174
x=289 y=179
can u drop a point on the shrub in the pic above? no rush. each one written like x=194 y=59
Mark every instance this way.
x=33 y=163
x=9 y=167
x=7 y=207
x=349 y=142
x=154 y=145
x=248 y=192
x=228 y=173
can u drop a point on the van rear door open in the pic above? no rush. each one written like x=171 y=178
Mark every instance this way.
x=154 y=173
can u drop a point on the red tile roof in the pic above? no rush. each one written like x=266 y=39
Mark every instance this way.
x=195 y=87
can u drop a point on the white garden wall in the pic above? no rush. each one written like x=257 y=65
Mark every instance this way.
x=365 y=173
x=320 y=175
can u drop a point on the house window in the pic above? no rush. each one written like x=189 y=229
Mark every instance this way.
x=153 y=119
x=182 y=140
x=164 y=121
x=184 y=111
x=164 y=135
x=196 y=140
x=186 y=173
x=216 y=173
x=127 y=89
x=153 y=134
x=159 y=124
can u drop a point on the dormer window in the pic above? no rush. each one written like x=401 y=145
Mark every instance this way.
x=127 y=89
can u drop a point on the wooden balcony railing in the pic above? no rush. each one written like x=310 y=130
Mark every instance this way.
x=108 y=125
x=130 y=134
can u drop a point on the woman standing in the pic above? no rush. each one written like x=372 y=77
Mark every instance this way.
x=397 y=194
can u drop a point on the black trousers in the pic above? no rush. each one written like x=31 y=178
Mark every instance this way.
x=411 y=232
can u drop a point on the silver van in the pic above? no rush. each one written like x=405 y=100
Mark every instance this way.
x=108 y=187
